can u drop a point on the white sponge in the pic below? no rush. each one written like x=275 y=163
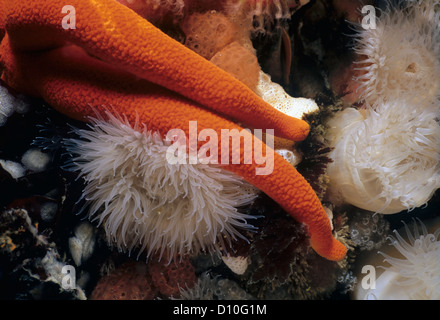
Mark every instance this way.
x=275 y=95
x=35 y=160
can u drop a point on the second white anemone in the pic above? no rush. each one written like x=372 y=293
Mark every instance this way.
x=384 y=160
x=400 y=56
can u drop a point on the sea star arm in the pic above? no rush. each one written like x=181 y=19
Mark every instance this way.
x=114 y=33
x=76 y=84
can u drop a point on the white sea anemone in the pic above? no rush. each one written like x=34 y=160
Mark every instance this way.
x=429 y=9
x=414 y=267
x=400 y=57
x=384 y=160
x=144 y=202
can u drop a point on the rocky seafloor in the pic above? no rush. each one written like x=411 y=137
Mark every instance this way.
x=46 y=236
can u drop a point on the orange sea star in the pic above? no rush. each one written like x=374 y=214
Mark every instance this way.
x=115 y=57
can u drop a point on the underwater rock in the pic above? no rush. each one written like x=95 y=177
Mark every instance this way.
x=35 y=256
x=275 y=261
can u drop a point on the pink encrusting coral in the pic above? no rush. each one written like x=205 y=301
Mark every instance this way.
x=239 y=62
x=129 y=281
x=140 y=281
x=209 y=32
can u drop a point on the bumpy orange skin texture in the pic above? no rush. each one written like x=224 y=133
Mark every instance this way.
x=143 y=74
x=117 y=35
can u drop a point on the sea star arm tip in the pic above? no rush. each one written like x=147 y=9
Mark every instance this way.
x=332 y=249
